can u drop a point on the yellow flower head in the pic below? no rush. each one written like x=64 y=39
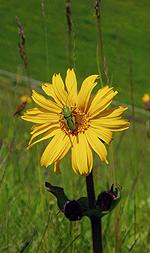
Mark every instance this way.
x=75 y=120
x=25 y=99
x=146 y=98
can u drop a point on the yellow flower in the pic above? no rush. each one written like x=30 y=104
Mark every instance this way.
x=146 y=98
x=25 y=99
x=75 y=120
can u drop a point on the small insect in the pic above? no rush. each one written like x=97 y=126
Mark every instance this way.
x=69 y=118
x=20 y=108
x=25 y=100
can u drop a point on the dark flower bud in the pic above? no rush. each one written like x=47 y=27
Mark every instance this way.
x=72 y=210
x=106 y=198
x=104 y=201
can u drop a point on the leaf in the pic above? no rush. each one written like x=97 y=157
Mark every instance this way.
x=58 y=192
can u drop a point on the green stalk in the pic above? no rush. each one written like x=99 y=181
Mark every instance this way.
x=95 y=222
x=70 y=33
x=100 y=50
x=45 y=35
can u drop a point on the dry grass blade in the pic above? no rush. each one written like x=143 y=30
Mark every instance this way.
x=71 y=41
x=68 y=15
x=21 y=43
x=101 y=60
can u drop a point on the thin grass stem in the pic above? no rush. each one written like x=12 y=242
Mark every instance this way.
x=101 y=61
x=45 y=34
x=70 y=35
x=22 y=48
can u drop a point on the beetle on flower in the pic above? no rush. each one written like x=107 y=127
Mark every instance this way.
x=75 y=120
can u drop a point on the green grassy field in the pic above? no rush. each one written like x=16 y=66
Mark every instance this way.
x=125 y=35
x=28 y=213
x=29 y=217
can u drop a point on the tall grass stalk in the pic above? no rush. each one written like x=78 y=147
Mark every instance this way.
x=136 y=173
x=45 y=35
x=101 y=60
x=70 y=35
x=22 y=48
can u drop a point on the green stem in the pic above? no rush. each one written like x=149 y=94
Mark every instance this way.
x=71 y=42
x=100 y=49
x=95 y=222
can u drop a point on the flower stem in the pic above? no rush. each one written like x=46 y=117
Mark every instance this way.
x=95 y=222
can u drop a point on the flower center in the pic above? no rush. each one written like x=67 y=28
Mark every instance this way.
x=73 y=121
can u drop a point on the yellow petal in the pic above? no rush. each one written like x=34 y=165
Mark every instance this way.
x=112 y=120
x=41 y=119
x=45 y=103
x=85 y=92
x=101 y=101
x=49 y=90
x=53 y=131
x=40 y=116
x=35 y=111
x=59 y=89
x=71 y=84
x=60 y=144
x=96 y=145
x=101 y=132
x=39 y=128
x=82 y=158
x=49 y=129
x=114 y=112
x=113 y=124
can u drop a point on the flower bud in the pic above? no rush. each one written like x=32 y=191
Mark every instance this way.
x=106 y=198
x=104 y=201
x=72 y=210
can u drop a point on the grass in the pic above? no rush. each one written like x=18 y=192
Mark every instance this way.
x=125 y=36
x=29 y=218
x=29 y=214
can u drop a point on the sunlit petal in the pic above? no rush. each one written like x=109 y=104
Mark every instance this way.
x=60 y=144
x=96 y=145
x=45 y=103
x=101 y=101
x=50 y=129
x=85 y=91
x=101 y=132
x=71 y=84
x=82 y=158
x=53 y=131
x=59 y=89
x=41 y=119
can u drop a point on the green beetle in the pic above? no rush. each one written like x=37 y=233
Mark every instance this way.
x=69 y=118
